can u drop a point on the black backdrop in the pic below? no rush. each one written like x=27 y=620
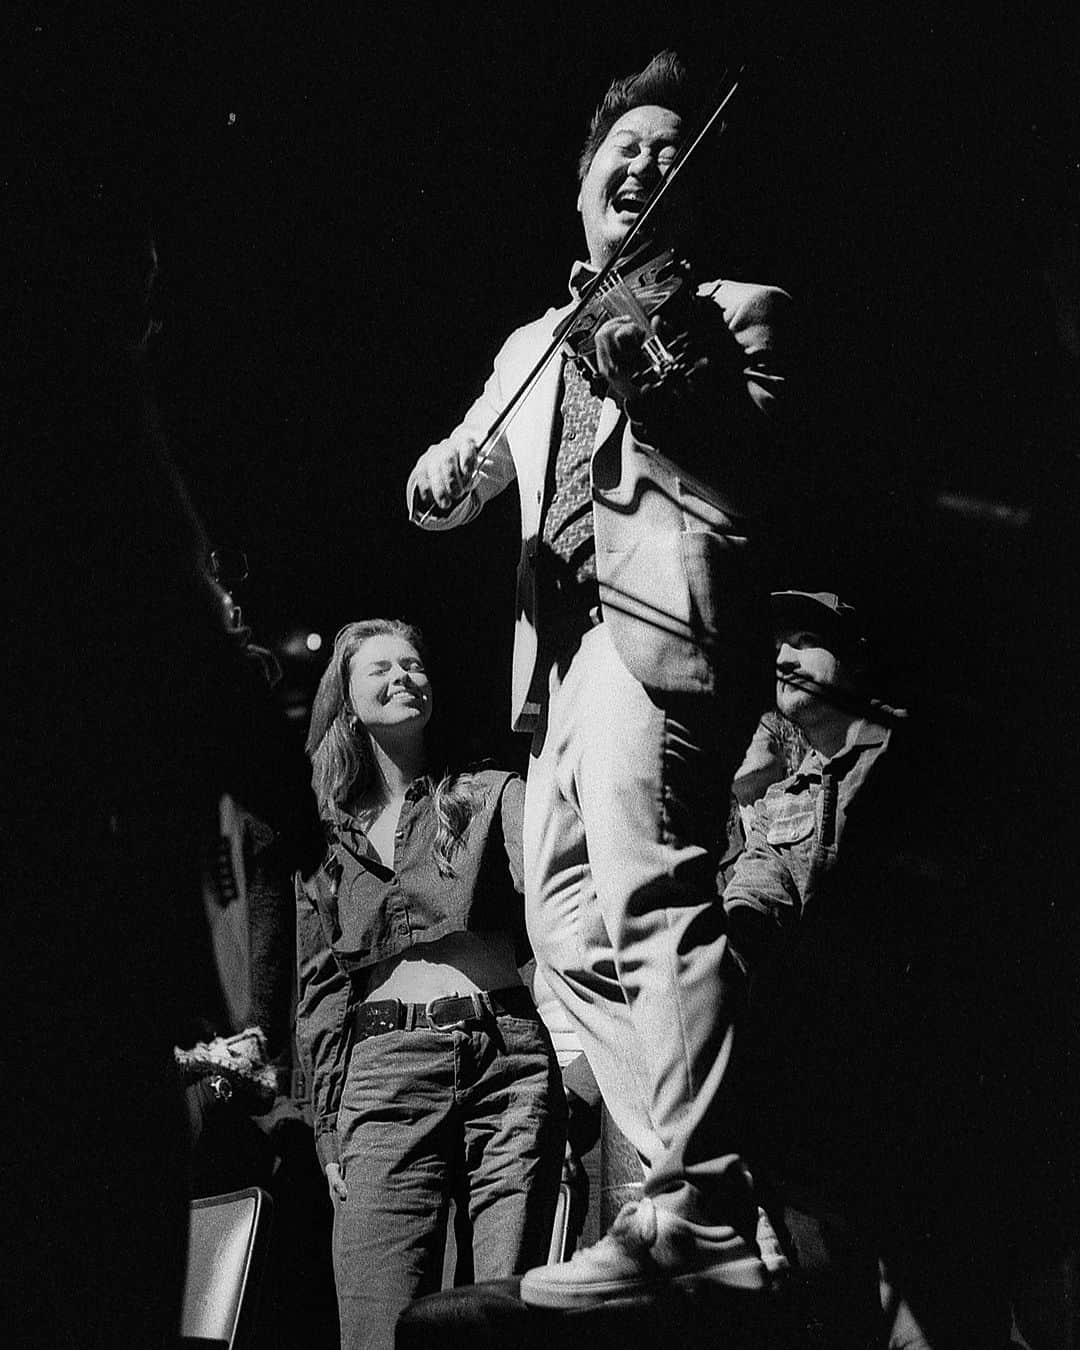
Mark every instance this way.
x=352 y=208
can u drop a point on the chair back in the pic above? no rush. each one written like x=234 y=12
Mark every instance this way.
x=227 y=1244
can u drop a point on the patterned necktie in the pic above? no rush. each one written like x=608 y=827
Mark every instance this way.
x=568 y=523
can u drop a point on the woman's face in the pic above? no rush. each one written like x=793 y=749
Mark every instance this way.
x=388 y=686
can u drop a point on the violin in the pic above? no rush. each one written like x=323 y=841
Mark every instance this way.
x=643 y=291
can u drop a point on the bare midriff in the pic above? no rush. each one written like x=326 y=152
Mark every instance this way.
x=460 y=963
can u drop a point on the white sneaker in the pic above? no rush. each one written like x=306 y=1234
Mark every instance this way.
x=635 y=1257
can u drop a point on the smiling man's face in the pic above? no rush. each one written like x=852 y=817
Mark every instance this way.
x=638 y=150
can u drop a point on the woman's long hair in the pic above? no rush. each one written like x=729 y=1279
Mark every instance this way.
x=339 y=745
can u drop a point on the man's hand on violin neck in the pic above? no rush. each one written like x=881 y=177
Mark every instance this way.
x=619 y=357
x=445 y=470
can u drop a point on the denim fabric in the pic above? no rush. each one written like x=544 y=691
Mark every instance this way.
x=794 y=838
x=426 y=1115
x=354 y=911
x=372 y=912
x=620 y=854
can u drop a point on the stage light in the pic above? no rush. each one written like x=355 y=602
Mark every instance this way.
x=301 y=644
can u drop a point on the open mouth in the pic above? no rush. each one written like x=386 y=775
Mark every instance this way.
x=629 y=203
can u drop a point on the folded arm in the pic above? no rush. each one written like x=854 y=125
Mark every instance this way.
x=762 y=899
x=734 y=391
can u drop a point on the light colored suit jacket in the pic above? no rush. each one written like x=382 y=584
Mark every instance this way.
x=670 y=521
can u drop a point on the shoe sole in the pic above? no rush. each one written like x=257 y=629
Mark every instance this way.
x=747 y=1274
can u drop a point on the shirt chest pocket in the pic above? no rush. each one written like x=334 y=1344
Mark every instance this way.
x=364 y=892
x=791 y=828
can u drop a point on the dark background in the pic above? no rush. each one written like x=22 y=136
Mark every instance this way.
x=352 y=208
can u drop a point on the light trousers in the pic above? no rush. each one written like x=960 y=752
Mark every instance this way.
x=626 y=795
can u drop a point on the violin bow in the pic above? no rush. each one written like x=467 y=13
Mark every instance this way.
x=506 y=416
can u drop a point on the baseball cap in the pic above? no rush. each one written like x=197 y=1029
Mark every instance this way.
x=821 y=611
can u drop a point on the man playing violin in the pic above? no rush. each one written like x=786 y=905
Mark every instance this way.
x=642 y=659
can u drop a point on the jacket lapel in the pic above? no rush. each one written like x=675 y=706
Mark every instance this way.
x=537 y=418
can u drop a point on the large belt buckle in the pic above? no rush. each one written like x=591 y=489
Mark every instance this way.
x=373 y=1022
x=457 y=1025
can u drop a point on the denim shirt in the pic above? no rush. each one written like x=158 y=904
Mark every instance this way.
x=355 y=911
x=793 y=840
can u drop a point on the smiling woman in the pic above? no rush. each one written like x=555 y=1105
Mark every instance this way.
x=412 y=1017
x=388 y=684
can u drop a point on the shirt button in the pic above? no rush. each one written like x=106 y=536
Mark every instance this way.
x=571 y=435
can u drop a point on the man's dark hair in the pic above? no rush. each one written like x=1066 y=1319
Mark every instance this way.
x=663 y=82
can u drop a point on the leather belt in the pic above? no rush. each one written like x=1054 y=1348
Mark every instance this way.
x=440 y=1014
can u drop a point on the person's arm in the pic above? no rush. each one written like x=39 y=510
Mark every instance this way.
x=508 y=822
x=761 y=900
x=512 y=813
x=729 y=400
x=450 y=482
x=322 y=1001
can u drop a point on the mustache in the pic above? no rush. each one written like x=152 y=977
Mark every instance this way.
x=850 y=701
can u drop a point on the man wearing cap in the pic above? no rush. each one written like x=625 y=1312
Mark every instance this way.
x=851 y=909
x=796 y=828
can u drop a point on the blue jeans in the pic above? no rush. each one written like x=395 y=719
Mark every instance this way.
x=425 y=1115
